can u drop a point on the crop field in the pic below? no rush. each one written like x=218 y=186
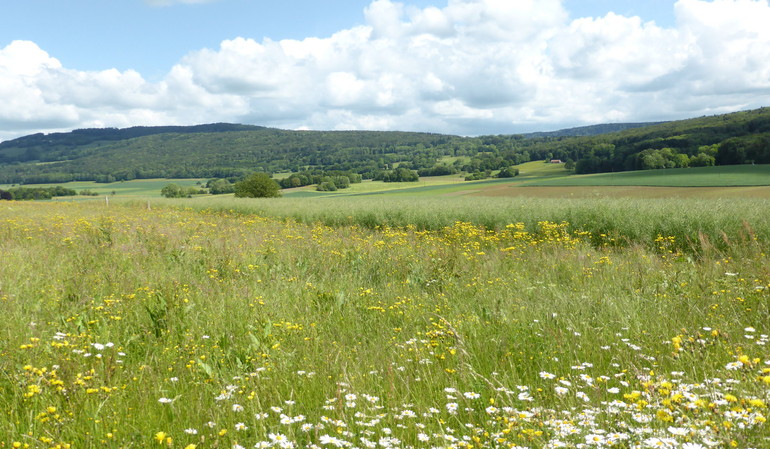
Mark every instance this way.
x=722 y=176
x=541 y=180
x=367 y=323
x=630 y=192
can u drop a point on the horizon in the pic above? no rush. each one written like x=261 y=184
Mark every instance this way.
x=461 y=67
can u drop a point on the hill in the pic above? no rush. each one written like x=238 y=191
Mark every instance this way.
x=220 y=150
x=229 y=150
x=591 y=130
x=730 y=139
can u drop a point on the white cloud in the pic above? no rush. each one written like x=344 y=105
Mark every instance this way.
x=470 y=67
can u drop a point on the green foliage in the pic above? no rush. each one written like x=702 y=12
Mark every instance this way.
x=754 y=148
x=438 y=170
x=398 y=175
x=326 y=186
x=702 y=160
x=478 y=176
x=508 y=172
x=175 y=191
x=38 y=193
x=257 y=185
x=172 y=191
x=220 y=186
x=178 y=152
x=340 y=179
x=663 y=158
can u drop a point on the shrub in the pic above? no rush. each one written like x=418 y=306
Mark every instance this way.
x=508 y=172
x=257 y=185
x=326 y=186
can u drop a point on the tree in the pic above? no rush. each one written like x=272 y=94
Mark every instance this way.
x=398 y=175
x=702 y=160
x=326 y=186
x=172 y=191
x=257 y=185
x=508 y=172
x=175 y=191
x=219 y=186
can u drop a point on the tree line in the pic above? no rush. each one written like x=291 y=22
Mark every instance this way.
x=35 y=193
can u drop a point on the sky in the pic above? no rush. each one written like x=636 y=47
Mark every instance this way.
x=465 y=67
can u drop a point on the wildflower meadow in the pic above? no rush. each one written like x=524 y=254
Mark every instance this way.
x=131 y=326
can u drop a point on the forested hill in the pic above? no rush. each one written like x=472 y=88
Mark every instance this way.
x=729 y=139
x=227 y=150
x=218 y=150
x=592 y=130
x=79 y=137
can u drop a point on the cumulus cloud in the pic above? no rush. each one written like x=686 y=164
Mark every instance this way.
x=469 y=67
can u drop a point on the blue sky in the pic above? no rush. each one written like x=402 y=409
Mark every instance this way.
x=455 y=66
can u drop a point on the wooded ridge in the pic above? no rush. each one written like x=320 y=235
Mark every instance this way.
x=223 y=150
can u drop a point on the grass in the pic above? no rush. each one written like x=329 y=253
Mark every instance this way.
x=269 y=326
x=722 y=176
x=697 y=223
x=541 y=169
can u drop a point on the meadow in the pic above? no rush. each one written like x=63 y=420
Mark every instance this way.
x=361 y=323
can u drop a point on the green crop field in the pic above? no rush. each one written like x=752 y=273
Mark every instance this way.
x=722 y=176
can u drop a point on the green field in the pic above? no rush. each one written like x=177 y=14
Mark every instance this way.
x=532 y=174
x=722 y=176
x=385 y=322
x=540 y=174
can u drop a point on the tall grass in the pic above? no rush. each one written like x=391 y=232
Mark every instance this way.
x=177 y=327
x=697 y=225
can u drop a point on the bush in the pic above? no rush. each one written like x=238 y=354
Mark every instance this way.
x=477 y=176
x=326 y=186
x=508 y=172
x=220 y=186
x=175 y=191
x=438 y=170
x=398 y=175
x=257 y=185
x=172 y=191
